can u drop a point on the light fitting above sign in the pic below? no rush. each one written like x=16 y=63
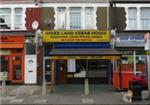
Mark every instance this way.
x=76 y=36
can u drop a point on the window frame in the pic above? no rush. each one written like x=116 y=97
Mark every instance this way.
x=8 y=15
x=138 y=21
x=82 y=18
x=132 y=18
x=92 y=18
x=78 y=14
x=15 y=15
x=12 y=17
x=144 y=18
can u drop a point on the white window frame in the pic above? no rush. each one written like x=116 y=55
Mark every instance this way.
x=145 y=18
x=91 y=12
x=60 y=19
x=12 y=18
x=5 y=14
x=139 y=25
x=15 y=15
x=75 y=11
x=83 y=16
x=132 y=18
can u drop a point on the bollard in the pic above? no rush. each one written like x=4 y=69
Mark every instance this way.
x=86 y=87
x=3 y=87
x=44 y=88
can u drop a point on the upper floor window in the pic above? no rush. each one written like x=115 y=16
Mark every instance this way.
x=132 y=19
x=11 y=18
x=138 y=19
x=61 y=18
x=145 y=18
x=18 y=18
x=89 y=17
x=75 y=18
x=5 y=18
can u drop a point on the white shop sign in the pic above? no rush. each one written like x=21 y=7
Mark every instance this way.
x=130 y=41
x=71 y=65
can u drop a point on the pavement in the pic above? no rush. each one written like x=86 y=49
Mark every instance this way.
x=65 y=95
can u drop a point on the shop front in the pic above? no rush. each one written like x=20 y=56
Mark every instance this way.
x=72 y=64
x=12 y=57
x=133 y=59
x=73 y=69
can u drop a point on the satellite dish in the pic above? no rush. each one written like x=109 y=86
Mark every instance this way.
x=35 y=25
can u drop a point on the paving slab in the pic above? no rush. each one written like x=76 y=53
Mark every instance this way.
x=88 y=101
x=16 y=101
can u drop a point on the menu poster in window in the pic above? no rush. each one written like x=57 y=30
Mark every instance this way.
x=71 y=65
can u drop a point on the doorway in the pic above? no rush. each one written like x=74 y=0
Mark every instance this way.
x=48 y=70
x=61 y=67
x=17 y=68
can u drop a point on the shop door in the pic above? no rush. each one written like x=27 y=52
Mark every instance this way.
x=47 y=70
x=17 y=68
x=61 y=71
x=98 y=71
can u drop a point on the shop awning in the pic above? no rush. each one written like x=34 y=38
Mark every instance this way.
x=84 y=53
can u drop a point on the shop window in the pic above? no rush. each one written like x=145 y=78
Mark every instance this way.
x=127 y=60
x=127 y=63
x=80 y=69
x=4 y=63
x=141 y=63
x=5 y=18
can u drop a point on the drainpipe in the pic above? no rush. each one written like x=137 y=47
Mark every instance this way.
x=107 y=14
x=134 y=57
x=44 y=80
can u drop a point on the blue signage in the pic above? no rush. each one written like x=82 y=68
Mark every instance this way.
x=130 y=41
x=82 y=45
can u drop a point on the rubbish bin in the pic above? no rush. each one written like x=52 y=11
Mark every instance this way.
x=136 y=88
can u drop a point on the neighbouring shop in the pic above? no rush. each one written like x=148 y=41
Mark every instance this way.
x=133 y=59
x=12 y=57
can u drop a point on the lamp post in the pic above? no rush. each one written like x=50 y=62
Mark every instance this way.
x=39 y=42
